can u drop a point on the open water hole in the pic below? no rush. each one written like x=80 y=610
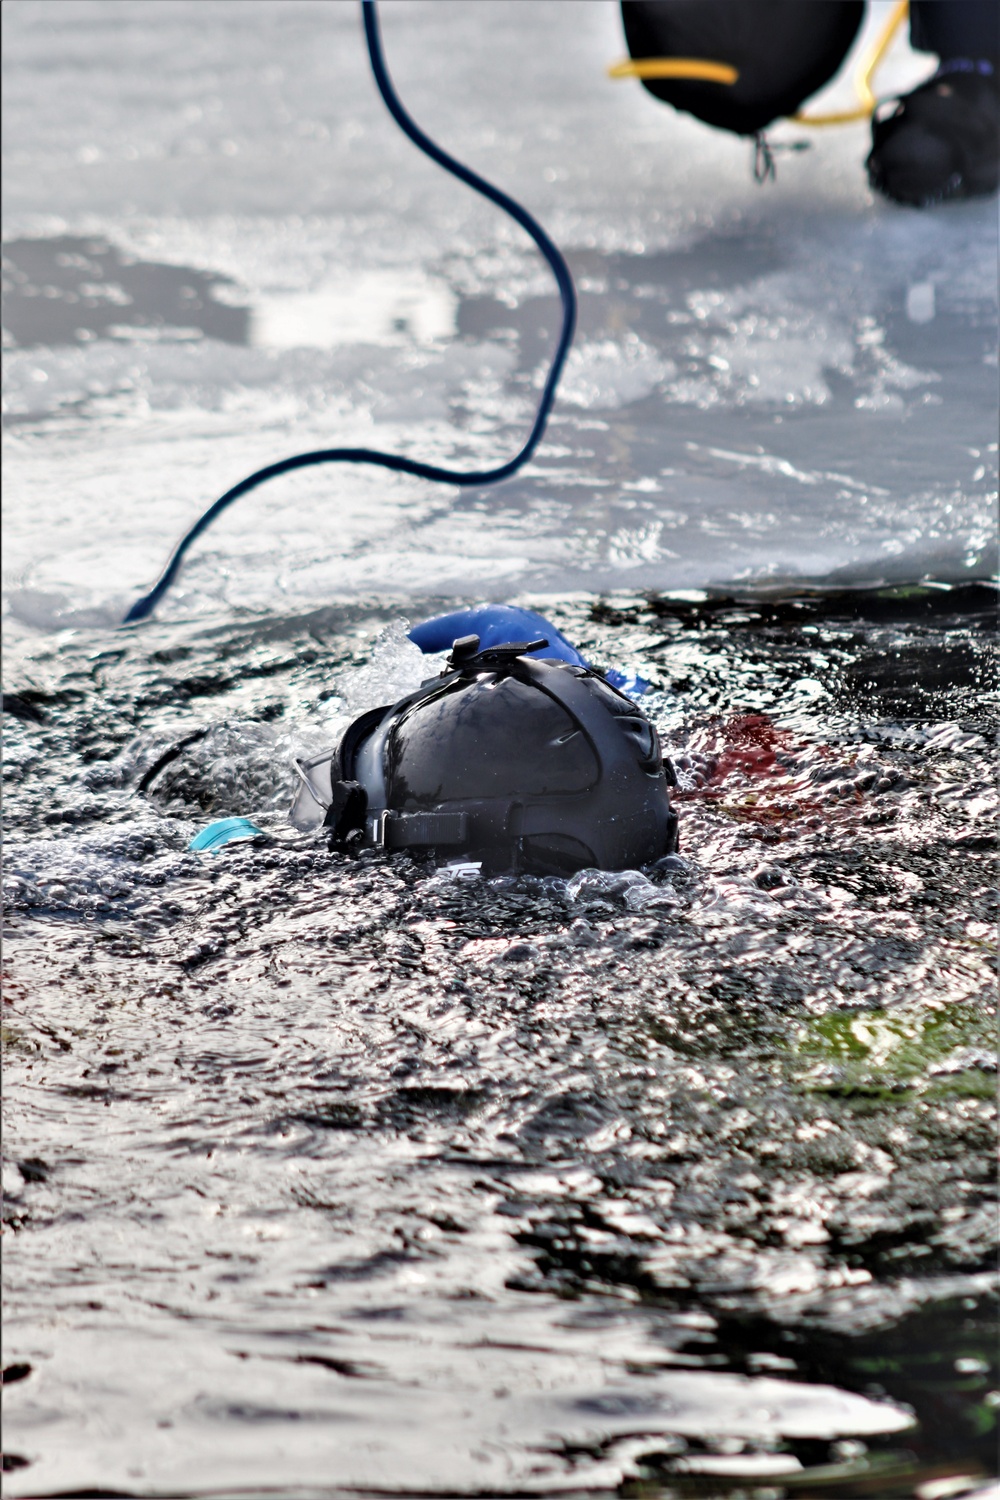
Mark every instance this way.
x=331 y=1175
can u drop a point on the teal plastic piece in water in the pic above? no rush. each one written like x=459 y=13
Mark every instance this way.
x=224 y=831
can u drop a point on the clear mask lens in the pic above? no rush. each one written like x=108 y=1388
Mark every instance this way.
x=315 y=793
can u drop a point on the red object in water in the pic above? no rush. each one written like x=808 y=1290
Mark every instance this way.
x=749 y=768
x=750 y=744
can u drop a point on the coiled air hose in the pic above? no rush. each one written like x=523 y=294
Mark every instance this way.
x=144 y=606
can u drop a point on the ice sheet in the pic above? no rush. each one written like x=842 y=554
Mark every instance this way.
x=778 y=382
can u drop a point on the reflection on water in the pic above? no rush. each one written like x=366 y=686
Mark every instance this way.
x=69 y=289
x=367 y=307
x=344 y=1174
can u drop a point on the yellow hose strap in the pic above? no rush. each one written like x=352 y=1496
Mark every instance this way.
x=674 y=67
x=863 y=79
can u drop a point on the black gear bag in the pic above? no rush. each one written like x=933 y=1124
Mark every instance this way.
x=782 y=50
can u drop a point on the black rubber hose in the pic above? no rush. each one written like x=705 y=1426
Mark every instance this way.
x=144 y=606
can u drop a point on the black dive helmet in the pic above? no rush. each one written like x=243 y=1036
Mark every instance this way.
x=519 y=763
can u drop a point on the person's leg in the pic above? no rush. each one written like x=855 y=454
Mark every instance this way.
x=943 y=139
x=967 y=29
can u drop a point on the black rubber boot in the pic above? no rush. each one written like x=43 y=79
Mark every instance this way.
x=941 y=141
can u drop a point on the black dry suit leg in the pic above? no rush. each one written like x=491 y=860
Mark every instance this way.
x=968 y=29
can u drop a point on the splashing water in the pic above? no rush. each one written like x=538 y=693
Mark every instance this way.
x=575 y=1179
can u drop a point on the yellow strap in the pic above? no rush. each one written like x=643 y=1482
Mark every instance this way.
x=674 y=67
x=863 y=79
x=713 y=72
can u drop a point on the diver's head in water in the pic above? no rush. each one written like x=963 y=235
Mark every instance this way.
x=518 y=763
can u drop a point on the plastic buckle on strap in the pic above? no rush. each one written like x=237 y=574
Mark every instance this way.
x=466 y=653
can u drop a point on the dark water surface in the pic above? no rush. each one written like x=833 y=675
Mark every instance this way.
x=339 y=1175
